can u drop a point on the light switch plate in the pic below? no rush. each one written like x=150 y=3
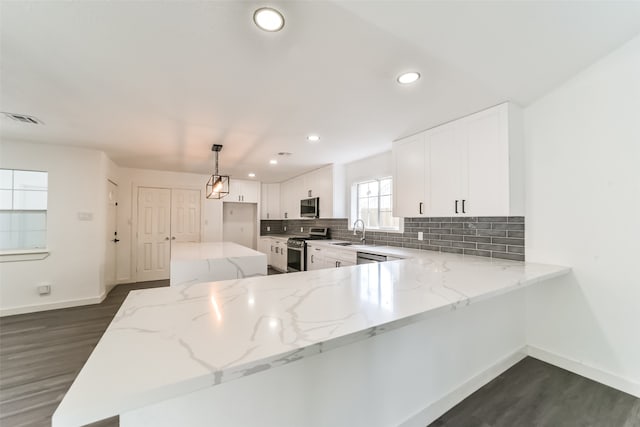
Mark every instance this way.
x=302 y=229
x=85 y=216
x=420 y=235
x=285 y=228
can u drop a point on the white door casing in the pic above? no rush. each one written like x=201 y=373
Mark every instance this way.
x=110 y=263
x=154 y=233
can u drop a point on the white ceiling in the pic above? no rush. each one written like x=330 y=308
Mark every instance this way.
x=154 y=84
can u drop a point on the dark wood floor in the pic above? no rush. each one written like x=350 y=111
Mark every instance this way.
x=41 y=354
x=536 y=394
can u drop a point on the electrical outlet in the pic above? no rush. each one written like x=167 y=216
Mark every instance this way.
x=268 y=228
x=44 y=290
x=420 y=235
x=302 y=229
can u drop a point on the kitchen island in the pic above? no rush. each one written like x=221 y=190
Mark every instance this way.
x=214 y=261
x=394 y=343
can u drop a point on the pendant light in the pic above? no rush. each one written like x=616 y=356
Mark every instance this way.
x=218 y=185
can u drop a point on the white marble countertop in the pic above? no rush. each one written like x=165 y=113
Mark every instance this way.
x=210 y=250
x=167 y=342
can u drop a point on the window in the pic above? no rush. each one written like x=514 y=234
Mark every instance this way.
x=374 y=201
x=23 y=209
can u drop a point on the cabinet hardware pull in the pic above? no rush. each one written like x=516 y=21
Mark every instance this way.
x=420 y=208
x=312 y=258
x=336 y=264
x=463 y=211
x=456 y=206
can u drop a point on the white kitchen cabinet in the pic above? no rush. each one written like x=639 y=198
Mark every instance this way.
x=327 y=183
x=315 y=258
x=279 y=254
x=446 y=166
x=473 y=167
x=270 y=201
x=410 y=180
x=241 y=191
x=320 y=256
x=264 y=246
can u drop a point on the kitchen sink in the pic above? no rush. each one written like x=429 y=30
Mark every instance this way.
x=342 y=244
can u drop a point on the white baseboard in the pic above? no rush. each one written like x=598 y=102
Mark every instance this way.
x=33 y=308
x=436 y=409
x=607 y=378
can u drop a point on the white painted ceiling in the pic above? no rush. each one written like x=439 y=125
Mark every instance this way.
x=154 y=84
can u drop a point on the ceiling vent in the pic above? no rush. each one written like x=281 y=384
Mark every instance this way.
x=23 y=118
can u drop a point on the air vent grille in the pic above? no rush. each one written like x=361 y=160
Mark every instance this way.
x=24 y=118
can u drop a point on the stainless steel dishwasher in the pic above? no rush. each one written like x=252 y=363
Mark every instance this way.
x=368 y=258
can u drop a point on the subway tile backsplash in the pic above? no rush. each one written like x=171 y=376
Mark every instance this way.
x=495 y=236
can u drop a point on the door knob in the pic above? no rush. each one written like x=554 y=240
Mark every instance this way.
x=166 y=238
x=173 y=238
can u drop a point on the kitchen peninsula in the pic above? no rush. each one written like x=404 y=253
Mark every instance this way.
x=214 y=261
x=393 y=343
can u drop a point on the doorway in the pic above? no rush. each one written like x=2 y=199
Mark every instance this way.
x=110 y=262
x=165 y=216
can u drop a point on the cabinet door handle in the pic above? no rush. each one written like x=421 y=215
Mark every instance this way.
x=336 y=264
x=312 y=258
x=420 y=208
x=463 y=211
x=456 y=206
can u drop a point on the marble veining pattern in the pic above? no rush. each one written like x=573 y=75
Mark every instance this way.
x=213 y=261
x=166 y=342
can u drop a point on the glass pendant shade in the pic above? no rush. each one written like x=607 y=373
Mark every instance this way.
x=218 y=185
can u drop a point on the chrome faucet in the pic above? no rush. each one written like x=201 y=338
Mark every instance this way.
x=355 y=224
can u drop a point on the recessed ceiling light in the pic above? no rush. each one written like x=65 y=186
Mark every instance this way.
x=252 y=175
x=313 y=138
x=268 y=19
x=408 y=78
x=273 y=161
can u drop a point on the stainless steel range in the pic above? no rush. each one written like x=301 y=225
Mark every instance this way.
x=297 y=248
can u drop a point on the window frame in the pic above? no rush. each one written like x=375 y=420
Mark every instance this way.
x=13 y=254
x=355 y=200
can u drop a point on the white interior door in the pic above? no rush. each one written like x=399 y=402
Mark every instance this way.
x=110 y=263
x=239 y=223
x=154 y=222
x=185 y=215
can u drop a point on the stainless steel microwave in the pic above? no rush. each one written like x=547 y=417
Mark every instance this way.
x=310 y=208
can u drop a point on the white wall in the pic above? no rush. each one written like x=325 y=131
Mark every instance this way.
x=373 y=167
x=583 y=211
x=74 y=268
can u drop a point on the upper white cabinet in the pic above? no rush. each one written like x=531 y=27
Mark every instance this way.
x=243 y=191
x=270 y=201
x=410 y=177
x=291 y=193
x=326 y=183
x=469 y=167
